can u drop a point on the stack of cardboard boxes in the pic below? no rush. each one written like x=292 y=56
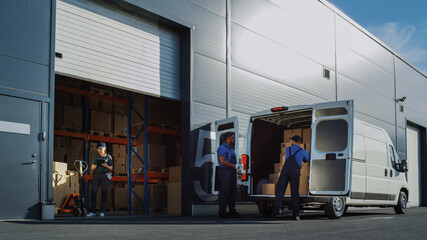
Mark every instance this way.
x=64 y=182
x=305 y=133
x=174 y=191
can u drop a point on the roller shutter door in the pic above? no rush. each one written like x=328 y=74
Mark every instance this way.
x=107 y=46
x=413 y=151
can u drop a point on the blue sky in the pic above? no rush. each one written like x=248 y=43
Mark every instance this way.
x=401 y=24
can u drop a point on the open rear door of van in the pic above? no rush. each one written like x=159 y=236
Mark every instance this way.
x=221 y=127
x=331 y=149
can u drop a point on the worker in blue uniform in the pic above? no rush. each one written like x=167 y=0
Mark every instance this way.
x=291 y=173
x=228 y=165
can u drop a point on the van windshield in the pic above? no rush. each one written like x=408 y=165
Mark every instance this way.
x=331 y=135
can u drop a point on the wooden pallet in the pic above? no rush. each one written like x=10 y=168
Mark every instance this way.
x=154 y=211
x=62 y=128
x=101 y=133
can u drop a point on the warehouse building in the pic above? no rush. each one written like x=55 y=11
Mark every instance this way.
x=155 y=75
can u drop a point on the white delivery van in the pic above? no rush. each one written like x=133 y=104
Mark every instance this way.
x=353 y=163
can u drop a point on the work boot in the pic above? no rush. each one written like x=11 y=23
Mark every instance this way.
x=235 y=214
x=91 y=214
x=275 y=212
x=224 y=215
x=297 y=218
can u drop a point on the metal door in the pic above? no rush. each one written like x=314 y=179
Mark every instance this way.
x=20 y=158
x=413 y=158
x=221 y=127
x=331 y=148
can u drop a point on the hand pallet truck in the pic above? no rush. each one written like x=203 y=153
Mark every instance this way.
x=75 y=201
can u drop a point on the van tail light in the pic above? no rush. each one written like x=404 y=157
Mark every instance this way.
x=245 y=160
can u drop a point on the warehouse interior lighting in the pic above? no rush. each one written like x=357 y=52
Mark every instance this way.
x=401 y=99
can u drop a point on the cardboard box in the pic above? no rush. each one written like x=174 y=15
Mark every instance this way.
x=305 y=169
x=73 y=117
x=119 y=165
x=119 y=108
x=156 y=156
x=282 y=158
x=120 y=125
x=106 y=106
x=100 y=121
x=119 y=150
x=77 y=100
x=274 y=178
x=269 y=189
x=306 y=135
x=308 y=147
x=62 y=98
x=278 y=167
x=120 y=198
x=70 y=161
x=94 y=103
x=59 y=115
x=139 y=190
x=303 y=186
x=77 y=146
x=157 y=110
x=59 y=154
x=136 y=163
x=174 y=198
x=288 y=133
x=174 y=174
x=138 y=105
x=285 y=145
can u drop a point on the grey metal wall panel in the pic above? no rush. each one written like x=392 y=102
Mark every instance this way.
x=209 y=28
x=24 y=75
x=23 y=26
x=309 y=35
x=251 y=93
x=366 y=100
x=360 y=43
x=103 y=45
x=209 y=85
x=25 y=46
x=202 y=114
x=261 y=56
x=356 y=67
x=217 y=6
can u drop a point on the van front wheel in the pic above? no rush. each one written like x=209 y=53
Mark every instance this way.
x=400 y=208
x=335 y=208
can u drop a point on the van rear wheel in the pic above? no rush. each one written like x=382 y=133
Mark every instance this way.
x=335 y=208
x=400 y=208
x=265 y=208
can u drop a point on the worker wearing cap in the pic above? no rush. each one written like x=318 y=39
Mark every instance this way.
x=227 y=162
x=291 y=173
x=102 y=166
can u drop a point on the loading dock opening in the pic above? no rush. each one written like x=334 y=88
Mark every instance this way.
x=86 y=113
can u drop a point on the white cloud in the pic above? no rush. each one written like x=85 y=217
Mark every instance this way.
x=405 y=40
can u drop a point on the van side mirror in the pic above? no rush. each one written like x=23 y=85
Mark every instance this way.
x=403 y=166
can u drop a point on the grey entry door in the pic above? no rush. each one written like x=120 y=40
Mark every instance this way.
x=19 y=158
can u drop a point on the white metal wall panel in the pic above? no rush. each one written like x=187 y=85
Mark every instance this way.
x=217 y=6
x=359 y=69
x=366 y=100
x=107 y=46
x=413 y=85
x=252 y=93
x=363 y=45
x=312 y=37
x=209 y=87
x=259 y=55
x=209 y=27
x=202 y=114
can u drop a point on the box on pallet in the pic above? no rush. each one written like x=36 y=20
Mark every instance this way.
x=59 y=115
x=119 y=108
x=120 y=166
x=175 y=174
x=119 y=150
x=174 y=198
x=100 y=121
x=106 y=105
x=73 y=117
x=120 y=125
x=278 y=167
x=120 y=197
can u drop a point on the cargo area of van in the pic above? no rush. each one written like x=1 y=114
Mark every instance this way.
x=270 y=138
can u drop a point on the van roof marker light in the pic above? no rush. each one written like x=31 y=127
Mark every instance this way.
x=279 y=109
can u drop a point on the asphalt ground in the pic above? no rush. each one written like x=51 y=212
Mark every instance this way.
x=356 y=224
